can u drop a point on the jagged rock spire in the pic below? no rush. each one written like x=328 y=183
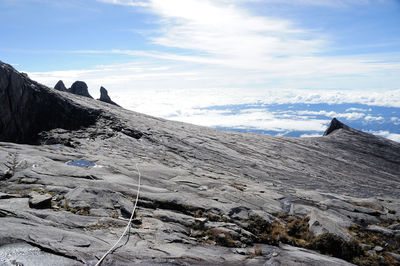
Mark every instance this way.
x=60 y=86
x=80 y=88
x=334 y=125
x=104 y=96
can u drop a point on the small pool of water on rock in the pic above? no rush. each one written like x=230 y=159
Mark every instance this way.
x=81 y=163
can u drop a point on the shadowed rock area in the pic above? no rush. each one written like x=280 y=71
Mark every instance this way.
x=80 y=88
x=27 y=108
x=207 y=197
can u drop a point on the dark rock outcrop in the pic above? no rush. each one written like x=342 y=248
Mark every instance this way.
x=335 y=125
x=80 y=88
x=104 y=97
x=27 y=108
x=60 y=86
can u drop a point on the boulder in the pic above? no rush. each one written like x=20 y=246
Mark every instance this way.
x=80 y=88
x=38 y=201
x=104 y=97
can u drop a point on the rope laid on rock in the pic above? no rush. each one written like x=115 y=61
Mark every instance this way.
x=129 y=223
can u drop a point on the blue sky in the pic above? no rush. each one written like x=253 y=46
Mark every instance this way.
x=173 y=58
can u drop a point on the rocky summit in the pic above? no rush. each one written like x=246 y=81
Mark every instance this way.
x=69 y=175
x=80 y=88
x=104 y=96
x=60 y=86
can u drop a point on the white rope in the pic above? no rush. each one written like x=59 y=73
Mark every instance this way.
x=129 y=223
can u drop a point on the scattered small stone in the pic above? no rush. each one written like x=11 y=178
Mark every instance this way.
x=203 y=188
x=38 y=201
x=378 y=249
x=366 y=247
x=242 y=251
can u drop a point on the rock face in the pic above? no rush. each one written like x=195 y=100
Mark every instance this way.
x=60 y=86
x=335 y=125
x=207 y=197
x=80 y=88
x=105 y=98
x=28 y=108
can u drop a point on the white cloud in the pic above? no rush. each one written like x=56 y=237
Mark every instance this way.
x=348 y=116
x=357 y=109
x=138 y=84
x=395 y=120
x=387 y=134
x=126 y=2
x=227 y=36
x=373 y=118
x=310 y=135
x=250 y=119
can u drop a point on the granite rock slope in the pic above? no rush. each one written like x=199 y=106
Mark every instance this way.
x=207 y=196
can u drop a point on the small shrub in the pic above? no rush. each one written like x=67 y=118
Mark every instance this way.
x=115 y=215
x=299 y=228
x=222 y=238
x=333 y=245
x=240 y=187
x=257 y=253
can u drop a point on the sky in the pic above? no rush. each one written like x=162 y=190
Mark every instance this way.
x=186 y=59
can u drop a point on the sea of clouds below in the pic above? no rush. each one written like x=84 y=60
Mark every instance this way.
x=294 y=113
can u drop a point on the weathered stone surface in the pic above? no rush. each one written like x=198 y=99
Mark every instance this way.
x=60 y=86
x=104 y=96
x=325 y=222
x=80 y=88
x=298 y=256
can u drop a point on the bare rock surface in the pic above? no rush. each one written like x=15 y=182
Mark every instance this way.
x=207 y=196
